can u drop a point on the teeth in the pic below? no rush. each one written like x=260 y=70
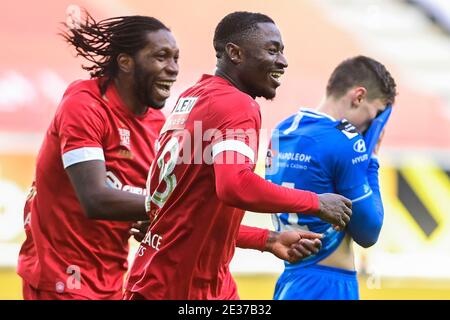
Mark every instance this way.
x=276 y=75
x=165 y=83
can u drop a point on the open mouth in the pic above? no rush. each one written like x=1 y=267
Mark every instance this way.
x=276 y=76
x=163 y=88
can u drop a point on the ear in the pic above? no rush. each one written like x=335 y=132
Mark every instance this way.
x=357 y=95
x=125 y=63
x=234 y=52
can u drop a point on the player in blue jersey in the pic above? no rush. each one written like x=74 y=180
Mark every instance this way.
x=331 y=150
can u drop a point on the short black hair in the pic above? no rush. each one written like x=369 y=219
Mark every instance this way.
x=366 y=72
x=101 y=42
x=236 y=27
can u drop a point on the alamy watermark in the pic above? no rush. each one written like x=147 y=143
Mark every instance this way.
x=73 y=281
x=199 y=146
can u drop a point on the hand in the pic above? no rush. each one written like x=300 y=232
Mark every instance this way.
x=294 y=245
x=139 y=229
x=335 y=209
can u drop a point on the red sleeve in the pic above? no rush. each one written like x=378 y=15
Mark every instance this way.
x=234 y=153
x=80 y=124
x=252 y=238
x=238 y=186
x=237 y=121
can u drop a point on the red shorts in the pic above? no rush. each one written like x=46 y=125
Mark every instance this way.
x=31 y=293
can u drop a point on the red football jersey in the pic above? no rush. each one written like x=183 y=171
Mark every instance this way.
x=64 y=250
x=188 y=248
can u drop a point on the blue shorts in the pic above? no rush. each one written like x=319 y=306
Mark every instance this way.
x=316 y=282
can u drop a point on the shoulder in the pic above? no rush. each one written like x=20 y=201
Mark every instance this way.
x=348 y=137
x=155 y=120
x=81 y=104
x=229 y=106
x=82 y=96
x=86 y=87
x=336 y=135
x=350 y=149
x=346 y=129
x=156 y=115
x=331 y=138
x=307 y=124
x=222 y=94
x=233 y=101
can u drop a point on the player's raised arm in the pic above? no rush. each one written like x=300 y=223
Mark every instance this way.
x=239 y=187
x=365 y=225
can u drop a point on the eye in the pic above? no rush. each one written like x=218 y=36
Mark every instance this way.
x=161 y=56
x=273 y=50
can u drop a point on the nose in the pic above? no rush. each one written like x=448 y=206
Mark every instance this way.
x=282 y=61
x=172 y=67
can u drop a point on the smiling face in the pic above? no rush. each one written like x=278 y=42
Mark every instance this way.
x=263 y=61
x=156 y=69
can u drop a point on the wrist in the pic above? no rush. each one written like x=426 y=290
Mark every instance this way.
x=272 y=237
x=316 y=202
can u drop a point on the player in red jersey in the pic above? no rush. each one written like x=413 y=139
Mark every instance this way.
x=94 y=161
x=202 y=178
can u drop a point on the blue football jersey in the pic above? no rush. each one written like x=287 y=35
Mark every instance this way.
x=312 y=151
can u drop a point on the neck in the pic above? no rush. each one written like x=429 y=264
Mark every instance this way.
x=231 y=77
x=331 y=107
x=126 y=92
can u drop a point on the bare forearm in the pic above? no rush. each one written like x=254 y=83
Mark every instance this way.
x=100 y=201
x=111 y=204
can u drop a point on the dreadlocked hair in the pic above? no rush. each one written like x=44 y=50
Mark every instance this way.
x=101 y=42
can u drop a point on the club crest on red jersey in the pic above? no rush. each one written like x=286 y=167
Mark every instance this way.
x=124 y=135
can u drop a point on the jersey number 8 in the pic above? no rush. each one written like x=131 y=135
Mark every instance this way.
x=165 y=172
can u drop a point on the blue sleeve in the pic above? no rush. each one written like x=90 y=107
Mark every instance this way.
x=367 y=218
x=373 y=133
x=356 y=177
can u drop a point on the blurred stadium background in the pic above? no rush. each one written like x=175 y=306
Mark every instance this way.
x=412 y=38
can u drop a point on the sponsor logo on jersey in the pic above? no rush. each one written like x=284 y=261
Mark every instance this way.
x=184 y=105
x=347 y=129
x=153 y=240
x=179 y=115
x=114 y=182
x=125 y=137
x=295 y=156
x=360 y=159
x=360 y=146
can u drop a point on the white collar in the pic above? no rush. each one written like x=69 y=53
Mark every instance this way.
x=318 y=114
